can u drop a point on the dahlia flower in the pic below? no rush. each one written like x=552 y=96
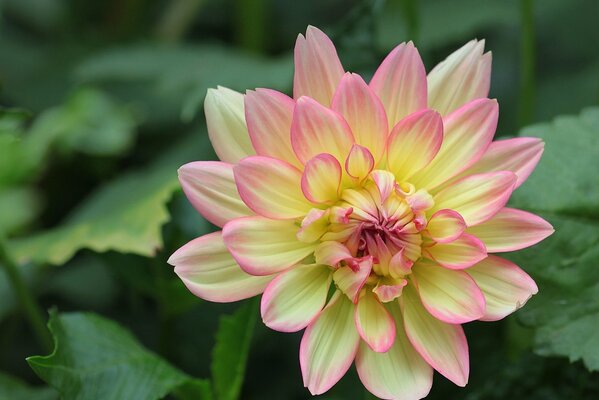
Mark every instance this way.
x=366 y=213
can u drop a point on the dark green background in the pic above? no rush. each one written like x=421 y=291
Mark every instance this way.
x=107 y=95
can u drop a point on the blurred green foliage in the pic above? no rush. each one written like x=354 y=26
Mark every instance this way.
x=102 y=102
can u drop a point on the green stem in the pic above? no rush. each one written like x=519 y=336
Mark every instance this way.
x=250 y=24
x=177 y=20
x=527 y=65
x=26 y=299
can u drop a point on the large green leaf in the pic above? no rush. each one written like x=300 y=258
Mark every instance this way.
x=181 y=74
x=564 y=190
x=230 y=353
x=12 y=388
x=124 y=215
x=566 y=179
x=95 y=358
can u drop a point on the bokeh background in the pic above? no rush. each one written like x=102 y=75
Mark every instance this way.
x=102 y=101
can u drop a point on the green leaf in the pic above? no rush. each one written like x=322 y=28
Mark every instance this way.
x=230 y=353
x=95 y=358
x=564 y=190
x=89 y=122
x=566 y=179
x=15 y=389
x=124 y=215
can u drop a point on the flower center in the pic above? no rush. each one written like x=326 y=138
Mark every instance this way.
x=379 y=225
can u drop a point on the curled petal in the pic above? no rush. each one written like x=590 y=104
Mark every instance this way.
x=268 y=114
x=389 y=292
x=400 y=373
x=511 y=230
x=505 y=286
x=359 y=163
x=446 y=226
x=462 y=253
x=374 y=323
x=227 y=130
x=350 y=279
x=442 y=345
x=329 y=345
x=321 y=179
x=207 y=269
x=477 y=198
x=211 y=189
x=468 y=133
x=317 y=67
x=413 y=143
x=331 y=253
x=385 y=183
x=450 y=296
x=464 y=76
x=400 y=83
x=316 y=129
x=314 y=225
x=295 y=297
x=263 y=246
x=271 y=187
x=364 y=113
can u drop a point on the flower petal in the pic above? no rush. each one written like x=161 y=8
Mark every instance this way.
x=329 y=345
x=414 y=143
x=462 y=253
x=295 y=297
x=271 y=187
x=477 y=197
x=211 y=189
x=316 y=129
x=364 y=113
x=468 y=132
x=450 y=296
x=264 y=246
x=374 y=323
x=442 y=345
x=321 y=179
x=227 y=130
x=505 y=286
x=464 y=76
x=400 y=83
x=511 y=230
x=207 y=269
x=400 y=373
x=519 y=155
x=445 y=226
x=268 y=114
x=317 y=67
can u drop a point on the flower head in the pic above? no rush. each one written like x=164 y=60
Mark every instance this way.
x=365 y=213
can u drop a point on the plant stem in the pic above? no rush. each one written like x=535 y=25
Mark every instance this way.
x=527 y=65
x=26 y=299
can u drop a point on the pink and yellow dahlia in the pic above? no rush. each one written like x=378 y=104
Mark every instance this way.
x=365 y=213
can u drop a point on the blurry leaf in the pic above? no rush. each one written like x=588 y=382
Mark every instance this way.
x=72 y=283
x=18 y=207
x=95 y=358
x=564 y=190
x=12 y=388
x=89 y=122
x=125 y=215
x=178 y=76
x=566 y=179
x=195 y=389
x=16 y=162
x=230 y=353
